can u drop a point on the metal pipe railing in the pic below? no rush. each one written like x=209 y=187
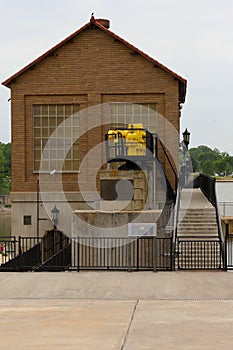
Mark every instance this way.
x=207 y=185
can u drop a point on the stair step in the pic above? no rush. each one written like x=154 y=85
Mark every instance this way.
x=197 y=221
x=198 y=210
x=205 y=229
x=200 y=217
x=197 y=224
x=199 y=236
x=198 y=213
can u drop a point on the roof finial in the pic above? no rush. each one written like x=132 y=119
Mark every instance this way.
x=92 y=17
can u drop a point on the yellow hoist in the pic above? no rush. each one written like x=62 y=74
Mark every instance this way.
x=128 y=142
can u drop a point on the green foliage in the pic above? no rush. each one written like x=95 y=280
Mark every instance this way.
x=5 y=168
x=211 y=162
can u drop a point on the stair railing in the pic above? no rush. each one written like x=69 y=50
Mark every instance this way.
x=158 y=155
x=175 y=223
x=207 y=185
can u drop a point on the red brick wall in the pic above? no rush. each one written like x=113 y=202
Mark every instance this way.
x=92 y=68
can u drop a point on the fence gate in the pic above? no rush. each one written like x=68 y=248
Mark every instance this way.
x=201 y=254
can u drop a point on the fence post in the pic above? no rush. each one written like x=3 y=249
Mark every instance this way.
x=78 y=251
x=15 y=252
x=129 y=255
x=137 y=252
x=154 y=253
x=171 y=255
x=20 y=254
x=225 y=254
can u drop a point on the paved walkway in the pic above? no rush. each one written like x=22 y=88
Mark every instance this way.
x=116 y=310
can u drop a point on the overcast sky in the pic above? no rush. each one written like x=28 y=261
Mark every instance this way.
x=193 y=38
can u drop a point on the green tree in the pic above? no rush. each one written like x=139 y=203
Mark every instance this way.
x=211 y=162
x=5 y=168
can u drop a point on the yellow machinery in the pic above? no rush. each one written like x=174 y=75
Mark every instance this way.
x=130 y=142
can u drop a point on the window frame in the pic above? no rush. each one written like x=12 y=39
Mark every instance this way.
x=142 y=107
x=44 y=127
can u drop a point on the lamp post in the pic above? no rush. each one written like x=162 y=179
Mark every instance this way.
x=55 y=216
x=186 y=141
x=186 y=137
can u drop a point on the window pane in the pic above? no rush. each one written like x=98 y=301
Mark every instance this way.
x=37 y=143
x=59 y=120
x=37 y=132
x=75 y=108
x=37 y=154
x=45 y=132
x=113 y=108
x=37 y=122
x=52 y=121
x=75 y=164
x=59 y=147
x=60 y=110
x=36 y=165
x=36 y=110
x=44 y=110
x=52 y=110
x=68 y=110
x=67 y=165
x=44 y=121
x=75 y=154
x=76 y=120
x=129 y=109
x=121 y=109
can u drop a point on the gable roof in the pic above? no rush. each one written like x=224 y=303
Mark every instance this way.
x=93 y=21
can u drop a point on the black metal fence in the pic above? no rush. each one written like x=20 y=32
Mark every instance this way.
x=90 y=253
x=229 y=253
x=118 y=253
x=8 y=249
x=201 y=254
x=132 y=254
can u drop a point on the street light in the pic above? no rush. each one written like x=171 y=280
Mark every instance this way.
x=55 y=216
x=185 y=167
x=186 y=138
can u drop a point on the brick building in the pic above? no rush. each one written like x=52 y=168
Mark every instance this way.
x=92 y=67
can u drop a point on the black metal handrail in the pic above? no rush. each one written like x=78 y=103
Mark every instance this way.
x=169 y=162
x=175 y=223
x=207 y=185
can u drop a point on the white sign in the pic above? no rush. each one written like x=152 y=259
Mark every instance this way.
x=142 y=229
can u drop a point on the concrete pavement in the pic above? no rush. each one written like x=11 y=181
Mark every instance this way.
x=116 y=310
